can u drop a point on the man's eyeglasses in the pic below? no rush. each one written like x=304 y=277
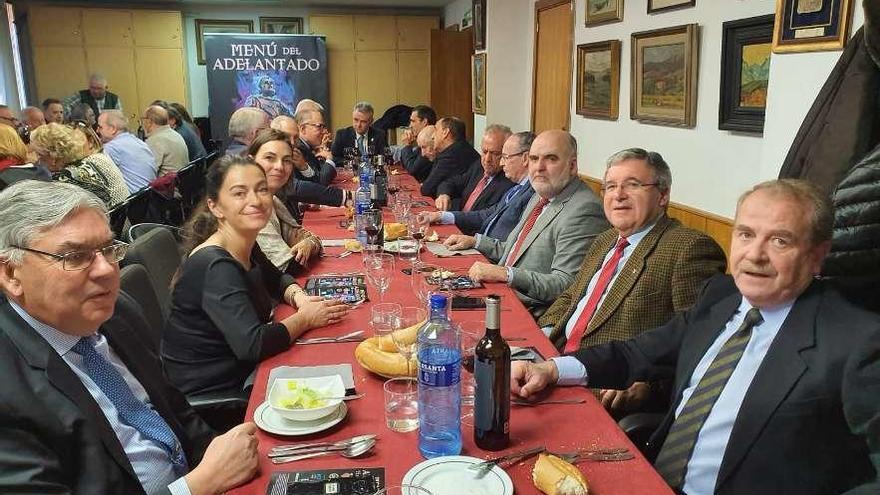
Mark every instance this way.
x=80 y=260
x=508 y=157
x=628 y=187
x=317 y=126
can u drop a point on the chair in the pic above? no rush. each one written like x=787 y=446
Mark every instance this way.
x=117 y=216
x=135 y=283
x=140 y=229
x=147 y=205
x=191 y=185
x=157 y=251
x=639 y=427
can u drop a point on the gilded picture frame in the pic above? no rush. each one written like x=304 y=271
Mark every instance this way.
x=205 y=26
x=811 y=25
x=478 y=83
x=598 y=80
x=602 y=12
x=655 y=6
x=281 y=25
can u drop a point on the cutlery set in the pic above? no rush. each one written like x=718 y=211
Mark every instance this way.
x=356 y=336
x=350 y=448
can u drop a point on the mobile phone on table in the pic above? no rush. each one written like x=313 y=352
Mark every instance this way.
x=465 y=303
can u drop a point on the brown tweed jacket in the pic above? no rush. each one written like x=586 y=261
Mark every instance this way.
x=660 y=278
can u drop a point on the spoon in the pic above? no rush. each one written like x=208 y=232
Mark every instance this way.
x=352 y=451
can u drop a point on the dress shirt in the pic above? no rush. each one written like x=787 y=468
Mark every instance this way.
x=134 y=158
x=447 y=218
x=148 y=459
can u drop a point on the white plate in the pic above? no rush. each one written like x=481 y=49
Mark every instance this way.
x=442 y=474
x=269 y=421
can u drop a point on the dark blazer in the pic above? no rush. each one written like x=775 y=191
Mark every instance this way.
x=415 y=164
x=802 y=424
x=454 y=160
x=499 y=220
x=55 y=438
x=324 y=172
x=345 y=138
x=460 y=187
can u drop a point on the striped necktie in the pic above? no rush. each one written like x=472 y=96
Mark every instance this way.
x=676 y=452
x=527 y=227
x=476 y=193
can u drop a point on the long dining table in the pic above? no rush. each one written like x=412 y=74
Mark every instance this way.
x=558 y=427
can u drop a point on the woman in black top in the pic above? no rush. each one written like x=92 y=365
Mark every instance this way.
x=221 y=325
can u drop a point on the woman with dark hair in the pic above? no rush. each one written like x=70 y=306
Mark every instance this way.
x=283 y=240
x=220 y=324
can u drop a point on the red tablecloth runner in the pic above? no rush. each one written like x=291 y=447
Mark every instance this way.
x=558 y=427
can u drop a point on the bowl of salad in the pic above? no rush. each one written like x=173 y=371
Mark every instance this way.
x=306 y=399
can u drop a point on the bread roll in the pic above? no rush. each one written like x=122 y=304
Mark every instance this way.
x=554 y=476
x=380 y=354
x=394 y=230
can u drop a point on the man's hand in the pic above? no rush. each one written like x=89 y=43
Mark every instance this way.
x=627 y=401
x=229 y=461
x=457 y=242
x=442 y=202
x=428 y=217
x=408 y=138
x=487 y=272
x=299 y=161
x=324 y=153
x=527 y=379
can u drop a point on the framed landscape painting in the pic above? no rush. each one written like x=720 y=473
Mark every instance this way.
x=478 y=83
x=602 y=11
x=205 y=26
x=745 y=73
x=811 y=25
x=655 y=6
x=598 y=79
x=281 y=25
x=664 y=76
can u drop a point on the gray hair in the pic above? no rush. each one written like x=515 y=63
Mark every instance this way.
x=99 y=78
x=808 y=195
x=525 y=139
x=662 y=173
x=363 y=107
x=306 y=115
x=115 y=119
x=30 y=208
x=245 y=121
x=157 y=115
x=308 y=104
x=498 y=129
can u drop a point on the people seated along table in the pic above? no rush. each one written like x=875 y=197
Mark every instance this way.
x=360 y=134
x=283 y=240
x=776 y=375
x=220 y=324
x=411 y=151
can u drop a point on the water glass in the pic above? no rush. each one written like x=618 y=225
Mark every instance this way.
x=401 y=404
x=420 y=280
x=384 y=317
x=403 y=490
x=379 y=268
x=408 y=248
x=470 y=335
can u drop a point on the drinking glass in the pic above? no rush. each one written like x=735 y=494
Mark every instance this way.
x=402 y=205
x=419 y=281
x=401 y=404
x=383 y=317
x=403 y=490
x=406 y=341
x=416 y=229
x=373 y=225
x=408 y=248
x=379 y=268
x=393 y=188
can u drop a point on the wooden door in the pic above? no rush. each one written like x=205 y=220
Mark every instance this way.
x=554 y=26
x=451 y=76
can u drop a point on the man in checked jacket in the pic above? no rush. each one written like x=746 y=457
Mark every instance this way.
x=636 y=275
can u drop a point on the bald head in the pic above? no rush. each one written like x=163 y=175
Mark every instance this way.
x=287 y=125
x=33 y=117
x=154 y=118
x=425 y=140
x=552 y=162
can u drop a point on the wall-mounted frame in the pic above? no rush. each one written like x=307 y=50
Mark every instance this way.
x=655 y=6
x=281 y=25
x=478 y=83
x=598 y=79
x=205 y=26
x=745 y=73
x=811 y=25
x=602 y=11
x=479 y=14
x=664 y=76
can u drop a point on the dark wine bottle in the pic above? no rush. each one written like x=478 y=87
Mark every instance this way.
x=380 y=180
x=492 y=383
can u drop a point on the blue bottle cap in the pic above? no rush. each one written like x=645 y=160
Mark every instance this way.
x=437 y=301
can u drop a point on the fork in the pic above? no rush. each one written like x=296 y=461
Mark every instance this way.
x=599 y=455
x=484 y=467
x=520 y=402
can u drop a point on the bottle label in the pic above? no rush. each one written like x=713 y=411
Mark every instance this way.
x=484 y=399
x=439 y=372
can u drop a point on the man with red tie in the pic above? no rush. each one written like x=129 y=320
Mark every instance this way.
x=637 y=274
x=541 y=255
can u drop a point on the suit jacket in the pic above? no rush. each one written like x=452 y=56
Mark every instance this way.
x=55 y=438
x=661 y=277
x=801 y=426
x=415 y=164
x=460 y=187
x=345 y=138
x=324 y=173
x=499 y=219
x=454 y=160
x=554 y=248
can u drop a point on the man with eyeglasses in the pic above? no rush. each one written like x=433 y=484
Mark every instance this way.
x=483 y=184
x=499 y=219
x=86 y=408
x=312 y=132
x=636 y=275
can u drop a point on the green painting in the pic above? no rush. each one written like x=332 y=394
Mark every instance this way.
x=597 y=79
x=755 y=75
x=663 y=77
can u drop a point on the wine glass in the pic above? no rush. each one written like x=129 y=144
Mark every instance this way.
x=406 y=341
x=408 y=248
x=402 y=205
x=373 y=225
x=393 y=188
x=416 y=229
x=379 y=267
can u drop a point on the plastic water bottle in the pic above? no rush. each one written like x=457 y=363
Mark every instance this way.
x=439 y=383
x=362 y=201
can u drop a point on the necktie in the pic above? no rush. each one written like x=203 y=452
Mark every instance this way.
x=476 y=193
x=676 y=452
x=360 y=145
x=509 y=195
x=132 y=411
x=605 y=276
x=527 y=227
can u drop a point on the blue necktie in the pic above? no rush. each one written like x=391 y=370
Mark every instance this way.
x=507 y=197
x=132 y=411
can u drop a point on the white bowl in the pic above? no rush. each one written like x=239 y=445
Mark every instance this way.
x=329 y=386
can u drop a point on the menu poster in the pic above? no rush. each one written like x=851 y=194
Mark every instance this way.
x=357 y=481
x=271 y=72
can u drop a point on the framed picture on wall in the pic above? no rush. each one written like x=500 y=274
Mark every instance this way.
x=745 y=73
x=205 y=26
x=478 y=83
x=655 y=6
x=598 y=79
x=479 y=14
x=602 y=11
x=811 y=25
x=281 y=25
x=664 y=76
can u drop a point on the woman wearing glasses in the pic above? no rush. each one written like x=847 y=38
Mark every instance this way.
x=220 y=324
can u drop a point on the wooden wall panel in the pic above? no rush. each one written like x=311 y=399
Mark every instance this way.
x=55 y=26
x=377 y=79
x=375 y=32
x=157 y=29
x=117 y=65
x=339 y=30
x=413 y=78
x=414 y=32
x=343 y=87
x=105 y=27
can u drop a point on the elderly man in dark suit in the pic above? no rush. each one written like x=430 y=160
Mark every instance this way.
x=637 y=274
x=312 y=132
x=85 y=407
x=361 y=134
x=776 y=376
x=453 y=154
x=411 y=157
x=483 y=184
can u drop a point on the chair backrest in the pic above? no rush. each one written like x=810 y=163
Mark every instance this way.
x=157 y=251
x=135 y=283
x=148 y=205
x=140 y=229
x=117 y=217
